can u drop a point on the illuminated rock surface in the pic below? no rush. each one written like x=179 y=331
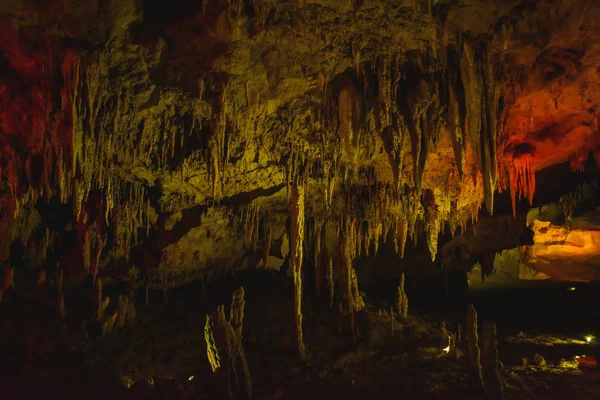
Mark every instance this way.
x=404 y=116
x=339 y=143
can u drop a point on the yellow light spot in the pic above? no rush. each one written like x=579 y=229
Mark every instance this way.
x=572 y=289
x=589 y=338
x=191 y=378
x=447 y=349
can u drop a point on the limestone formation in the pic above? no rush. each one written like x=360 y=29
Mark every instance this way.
x=473 y=351
x=99 y=303
x=122 y=308
x=236 y=314
x=331 y=134
x=489 y=362
x=60 y=306
x=296 y=246
x=40 y=281
x=225 y=349
x=401 y=299
x=9 y=280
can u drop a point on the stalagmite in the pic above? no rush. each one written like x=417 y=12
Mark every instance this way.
x=61 y=306
x=266 y=247
x=348 y=248
x=212 y=351
x=330 y=280
x=9 y=280
x=59 y=276
x=236 y=314
x=296 y=252
x=122 y=307
x=108 y=324
x=473 y=351
x=359 y=303
x=225 y=350
x=99 y=303
x=401 y=299
x=489 y=361
x=40 y=282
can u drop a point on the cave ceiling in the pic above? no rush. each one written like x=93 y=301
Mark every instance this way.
x=177 y=134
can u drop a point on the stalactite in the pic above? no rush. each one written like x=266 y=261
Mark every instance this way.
x=251 y=221
x=521 y=178
x=432 y=222
x=456 y=120
x=351 y=115
x=578 y=159
x=487 y=265
x=319 y=245
x=420 y=99
x=296 y=252
x=482 y=99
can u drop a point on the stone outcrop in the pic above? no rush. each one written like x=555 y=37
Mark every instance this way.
x=564 y=254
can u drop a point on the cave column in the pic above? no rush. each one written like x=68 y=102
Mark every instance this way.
x=296 y=243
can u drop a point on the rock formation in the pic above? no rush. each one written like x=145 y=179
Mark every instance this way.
x=473 y=350
x=225 y=350
x=198 y=139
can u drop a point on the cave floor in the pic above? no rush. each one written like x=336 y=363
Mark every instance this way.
x=163 y=355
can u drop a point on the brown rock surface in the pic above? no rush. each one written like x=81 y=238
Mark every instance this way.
x=169 y=135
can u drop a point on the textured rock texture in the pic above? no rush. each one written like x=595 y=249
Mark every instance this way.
x=169 y=137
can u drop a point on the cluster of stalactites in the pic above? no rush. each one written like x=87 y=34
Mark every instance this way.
x=251 y=222
x=518 y=175
x=578 y=159
x=482 y=92
x=218 y=142
x=95 y=142
x=44 y=167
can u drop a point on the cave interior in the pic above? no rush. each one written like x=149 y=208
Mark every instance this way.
x=299 y=199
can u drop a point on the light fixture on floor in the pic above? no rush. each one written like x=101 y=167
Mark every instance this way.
x=589 y=338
